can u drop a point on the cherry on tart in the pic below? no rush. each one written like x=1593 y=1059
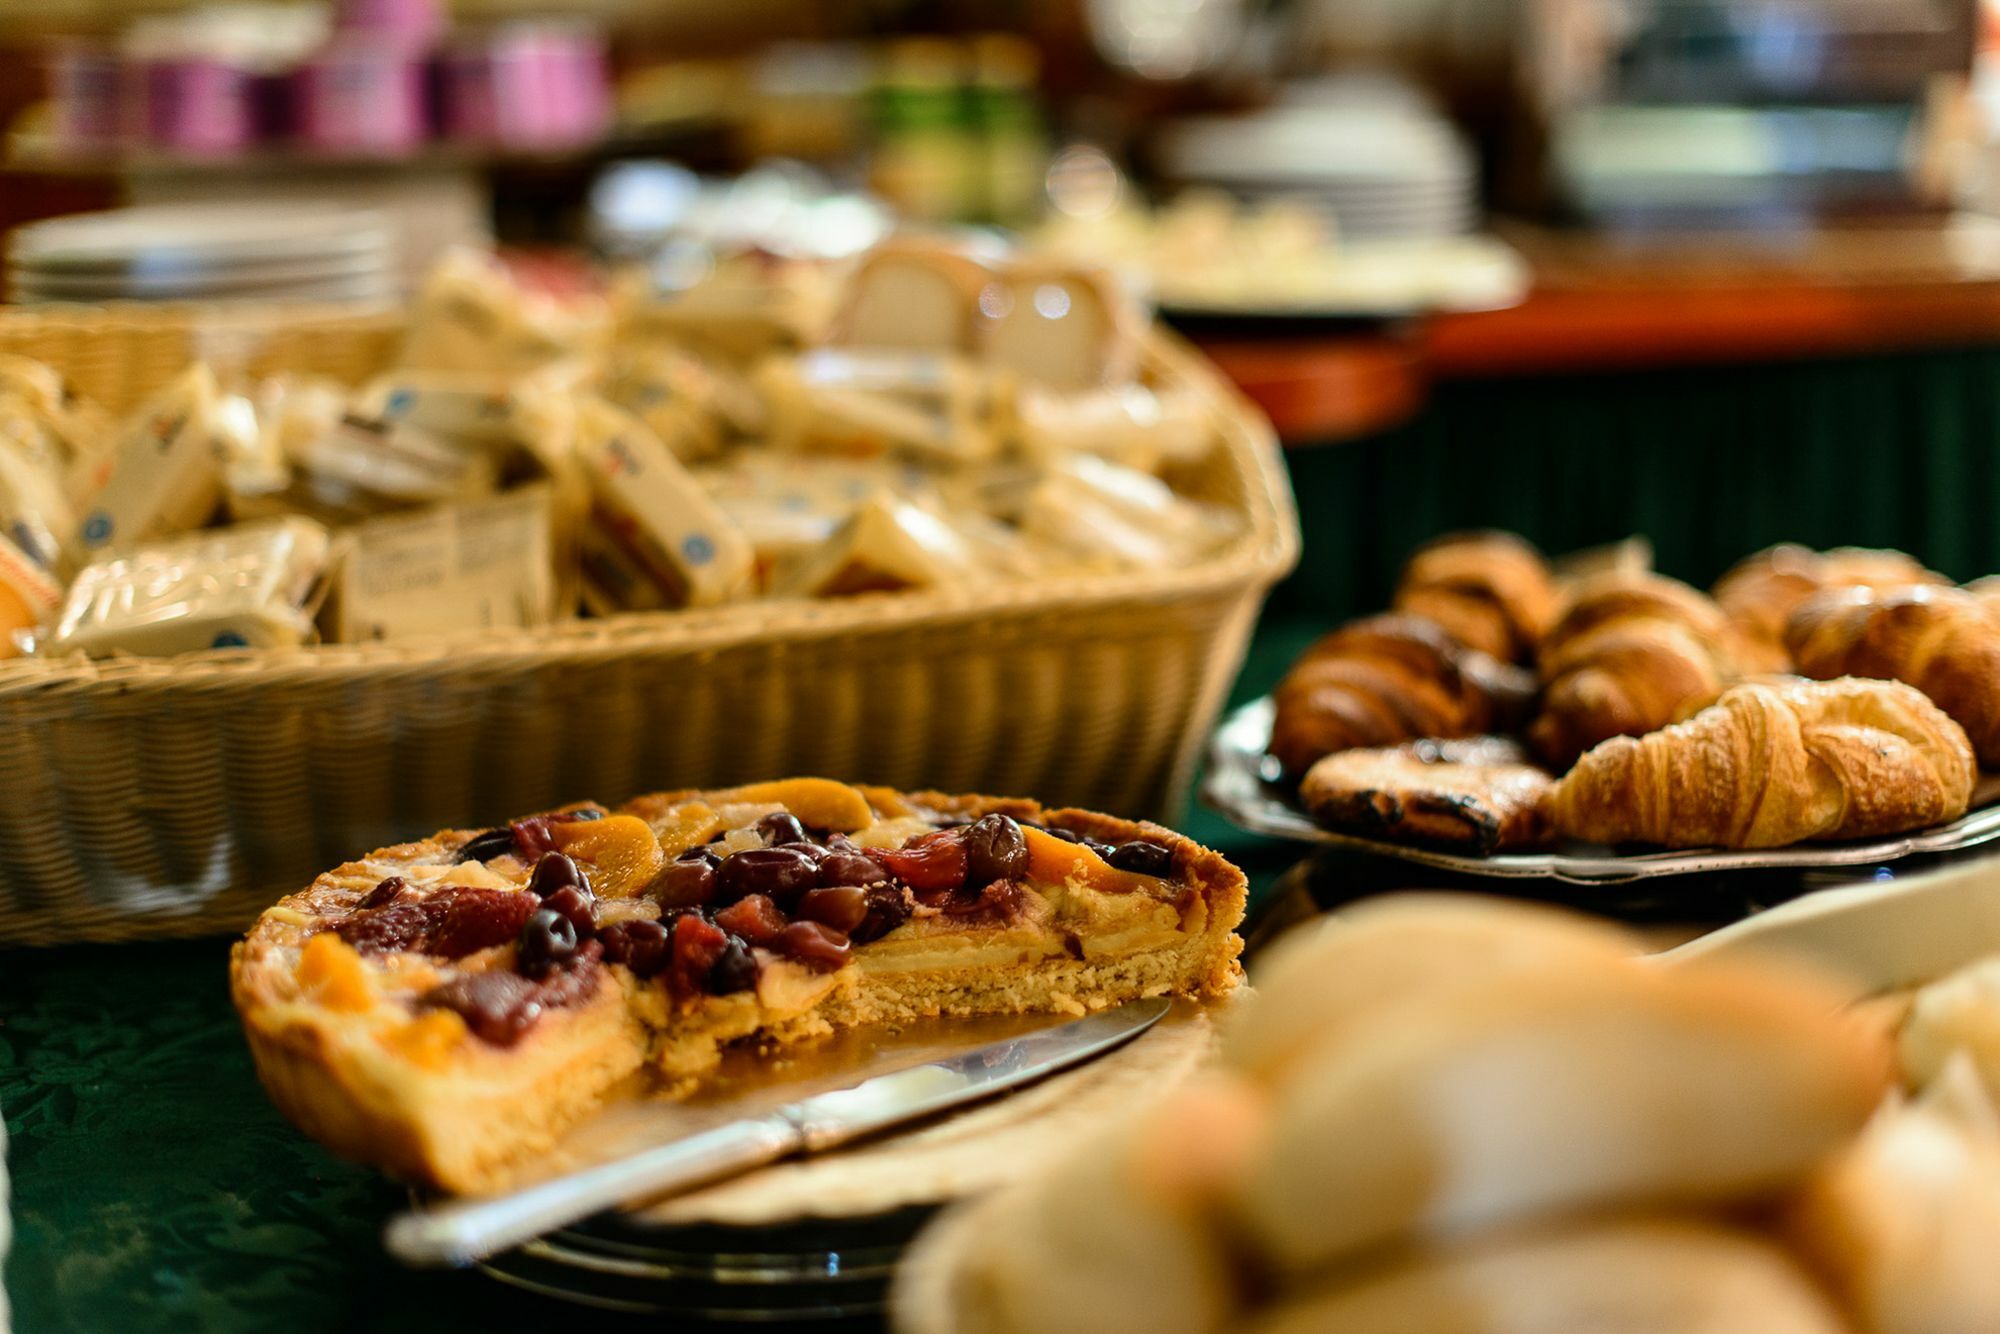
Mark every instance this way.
x=444 y=1009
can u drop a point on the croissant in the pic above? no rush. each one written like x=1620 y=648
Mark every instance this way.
x=1943 y=641
x=1986 y=589
x=1769 y=765
x=1388 y=679
x=1490 y=591
x=1631 y=653
x=1761 y=592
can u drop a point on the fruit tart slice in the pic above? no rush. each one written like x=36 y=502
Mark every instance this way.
x=446 y=1008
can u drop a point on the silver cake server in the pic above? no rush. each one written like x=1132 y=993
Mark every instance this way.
x=462 y=1231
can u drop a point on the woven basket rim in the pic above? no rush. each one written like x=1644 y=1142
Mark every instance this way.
x=1256 y=559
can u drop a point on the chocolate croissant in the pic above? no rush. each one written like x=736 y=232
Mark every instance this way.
x=1388 y=679
x=1770 y=765
x=1943 y=641
x=1631 y=653
x=1761 y=592
x=1490 y=591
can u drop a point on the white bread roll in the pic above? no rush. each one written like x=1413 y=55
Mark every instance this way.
x=1629 y=1277
x=1960 y=1013
x=1114 y=1239
x=1331 y=980
x=1904 y=1224
x=1614 y=1084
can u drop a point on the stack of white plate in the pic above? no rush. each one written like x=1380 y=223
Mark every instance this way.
x=195 y=252
x=1381 y=163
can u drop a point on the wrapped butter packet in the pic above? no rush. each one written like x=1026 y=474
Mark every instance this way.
x=1072 y=524
x=460 y=406
x=165 y=473
x=889 y=544
x=749 y=307
x=1132 y=424
x=472 y=565
x=28 y=597
x=41 y=414
x=248 y=586
x=34 y=510
x=1189 y=528
x=695 y=407
x=471 y=316
x=863 y=404
x=362 y=467
x=654 y=518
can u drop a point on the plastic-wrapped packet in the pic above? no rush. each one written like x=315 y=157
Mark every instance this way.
x=251 y=586
x=34 y=510
x=459 y=406
x=165 y=473
x=1079 y=527
x=43 y=416
x=1135 y=425
x=1191 y=529
x=747 y=308
x=657 y=539
x=364 y=467
x=472 y=316
x=475 y=564
x=289 y=412
x=862 y=404
x=28 y=597
x=888 y=544
x=695 y=407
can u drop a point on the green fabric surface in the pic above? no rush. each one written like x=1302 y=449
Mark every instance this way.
x=156 y=1189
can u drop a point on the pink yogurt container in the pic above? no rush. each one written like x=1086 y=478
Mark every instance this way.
x=526 y=86
x=86 y=93
x=194 y=104
x=361 y=96
x=416 y=23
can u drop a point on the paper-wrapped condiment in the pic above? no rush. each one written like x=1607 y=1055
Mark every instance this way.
x=165 y=471
x=28 y=596
x=248 y=586
x=887 y=545
x=652 y=517
x=473 y=565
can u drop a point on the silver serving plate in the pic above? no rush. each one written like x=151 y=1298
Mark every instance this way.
x=1244 y=785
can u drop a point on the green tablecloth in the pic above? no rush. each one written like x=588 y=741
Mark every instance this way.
x=156 y=1189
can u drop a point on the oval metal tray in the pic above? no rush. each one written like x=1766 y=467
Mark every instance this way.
x=1242 y=784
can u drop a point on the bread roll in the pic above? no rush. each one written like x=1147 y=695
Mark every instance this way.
x=1115 y=1238
x=1328 y=982
x=1960 y=1013
x=1904 y=1223
x=1606 y=1085
x=1625 y=1277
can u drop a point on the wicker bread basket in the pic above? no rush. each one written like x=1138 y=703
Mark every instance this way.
x=180 y=796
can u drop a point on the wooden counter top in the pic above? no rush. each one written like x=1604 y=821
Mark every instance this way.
x=1603 y=303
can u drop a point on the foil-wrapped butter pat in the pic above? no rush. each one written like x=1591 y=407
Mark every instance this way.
x=250 y=586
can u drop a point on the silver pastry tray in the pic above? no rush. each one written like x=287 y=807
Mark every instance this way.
x=1244 y=785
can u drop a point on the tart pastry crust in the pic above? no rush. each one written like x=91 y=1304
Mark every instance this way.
x=354 y=1047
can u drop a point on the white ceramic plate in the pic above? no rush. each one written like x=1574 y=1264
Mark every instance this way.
x=194 y=237
x=1239 y=784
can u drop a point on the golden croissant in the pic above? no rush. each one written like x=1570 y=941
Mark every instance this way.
x=1490 y=591
x=1761 y=592
x=1769 y=765
x=1632 y=652
x=1388 y=679
x=1943 y=641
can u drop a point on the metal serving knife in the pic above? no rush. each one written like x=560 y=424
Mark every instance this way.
x=463 y=1231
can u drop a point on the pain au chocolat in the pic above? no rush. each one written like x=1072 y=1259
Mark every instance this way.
x=446 y=1008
